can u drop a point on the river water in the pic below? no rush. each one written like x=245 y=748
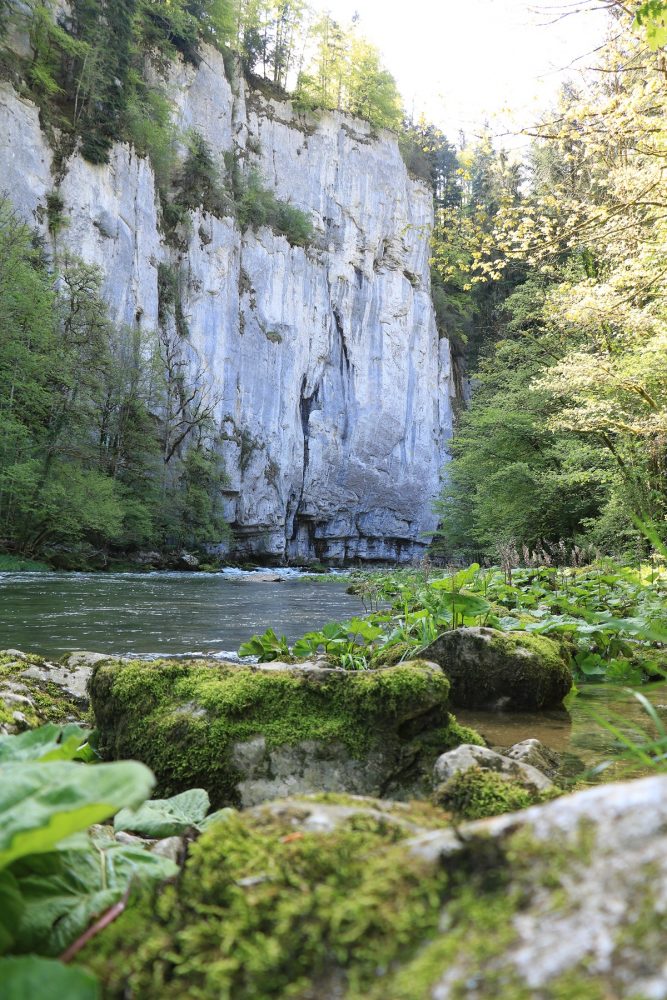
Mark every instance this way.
x=172 y=614
x=165 y=614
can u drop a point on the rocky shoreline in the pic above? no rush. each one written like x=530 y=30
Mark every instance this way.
x=367 y=844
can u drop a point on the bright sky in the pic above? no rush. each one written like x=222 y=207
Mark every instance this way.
x=465 y=62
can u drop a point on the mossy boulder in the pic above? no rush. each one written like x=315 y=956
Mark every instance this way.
x=491 y=669
x=478 y=793
x=474 y=782
x=248 y=734
x=352 y=899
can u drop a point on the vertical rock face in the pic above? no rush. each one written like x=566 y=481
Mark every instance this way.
x=334 y=391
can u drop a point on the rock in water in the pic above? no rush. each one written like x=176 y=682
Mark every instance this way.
x=341 y=899
x=467 y=756
x=248 y=734
x=491 y=669
x=474 y=782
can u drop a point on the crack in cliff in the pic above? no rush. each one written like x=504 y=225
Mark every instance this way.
x=307 y=403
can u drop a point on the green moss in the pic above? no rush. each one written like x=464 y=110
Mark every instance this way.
x=464 y=734
x=262 y=912
x=485 y=666
x=267 y=910
x=184 y=718
x=477 y=793
x=419 y=812
x=49 y=702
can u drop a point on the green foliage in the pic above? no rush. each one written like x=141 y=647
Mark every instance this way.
x=43 y=802
x=569 y=400
x=15 y=564
x=83 y=458
x=266 y=648
x=198 y=184
x=40 y=977
x=256 y=206
x=51 y=742
x=56 y=879
x=611 y=618
x=172 y=817
x=651 y=16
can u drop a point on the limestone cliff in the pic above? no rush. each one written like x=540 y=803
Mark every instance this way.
x=334 y=390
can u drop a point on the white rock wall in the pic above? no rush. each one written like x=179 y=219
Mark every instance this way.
x=334 y=392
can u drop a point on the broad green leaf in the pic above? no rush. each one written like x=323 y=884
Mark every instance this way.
x=32 y=978
x=64 y=892
x=467 y=604
x=11 y=910
x=357 y=626
x=166 y=817
x=49 y=742
x=43 y=803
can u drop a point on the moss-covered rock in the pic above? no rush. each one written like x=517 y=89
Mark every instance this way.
x=478 y=793
x=34 y=691
x=514 y=670
x=248 y=734
x=344 y=900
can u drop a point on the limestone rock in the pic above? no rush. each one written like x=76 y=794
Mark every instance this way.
x=562 y=901
x=466 y=756
x=535 y=753
x=335 y=391
x=34 y=691
x=72 y=674
x=492 y=669
x=247 y=734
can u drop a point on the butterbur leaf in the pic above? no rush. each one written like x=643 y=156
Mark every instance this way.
x=66 y=891
x=166 y=817
x=11 y=910
x=50 y=742
x=469 y=605
x=31 y=977
x=43 y=803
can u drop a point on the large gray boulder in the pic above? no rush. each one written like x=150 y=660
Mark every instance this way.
x=491 y=669
x=359 y=898
x=251 y=733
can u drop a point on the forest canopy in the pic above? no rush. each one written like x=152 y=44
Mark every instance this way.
x=563 y=273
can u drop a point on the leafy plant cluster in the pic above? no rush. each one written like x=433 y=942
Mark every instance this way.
x=612 y=618
x=228 y=191
x=63 y=876
x=106 y=436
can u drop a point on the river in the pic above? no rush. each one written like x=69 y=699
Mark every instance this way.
x=172 y=614
x=167 y=614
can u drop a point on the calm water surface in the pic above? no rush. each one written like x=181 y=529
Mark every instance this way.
x=578 y=733
x=160 y=613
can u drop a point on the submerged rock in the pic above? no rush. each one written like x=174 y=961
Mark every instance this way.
x=248 y=734
x=337 y=898
x=492 y=669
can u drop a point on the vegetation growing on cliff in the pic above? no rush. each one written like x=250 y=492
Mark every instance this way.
x=94 y=420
